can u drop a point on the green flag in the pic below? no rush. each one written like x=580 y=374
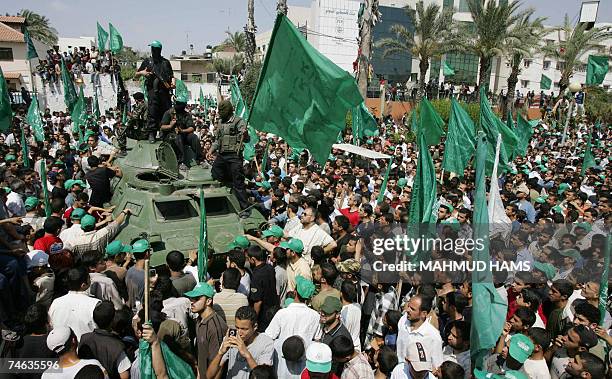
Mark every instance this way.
x=143 y=88
x=31 y=53
x=424 y=187
x=70 y=95
x=176 y=368
x=461 y=140
x=35 y=121
x=363 y=122
x=6 y=112
x=597 y=68
x=203 y=241
x=545 y=82
x=603 y=285
x=589 y=160
x=448 y=70
x=43 y=179
x=202 y=101
x=524 y=131
x=301 y=95
x=96 y=105
x=116 y=42
x=79 y=114
x=102 y=38
x=489 y=317
x=24 y=149
x=383 y=187
x=492 y=127
x=430 y=122
x=181 y=92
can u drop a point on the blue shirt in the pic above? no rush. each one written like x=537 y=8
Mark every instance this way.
x=526 y=206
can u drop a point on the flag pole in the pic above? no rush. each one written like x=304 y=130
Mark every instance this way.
x=603 y=285
x=146 y=291
x=203 y=241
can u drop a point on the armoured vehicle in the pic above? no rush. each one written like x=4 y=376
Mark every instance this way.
x=165 y=203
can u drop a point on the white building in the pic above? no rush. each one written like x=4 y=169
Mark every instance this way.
x=81 y=43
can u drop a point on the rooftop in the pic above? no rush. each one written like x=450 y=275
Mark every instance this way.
x=8 y=34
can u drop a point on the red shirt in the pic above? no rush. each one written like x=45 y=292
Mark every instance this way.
x=306 y=375
x=353 y=217
x=48 y=243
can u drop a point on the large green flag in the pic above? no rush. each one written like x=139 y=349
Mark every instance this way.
x=203 y=241
x=603 y=285
x=31 y=49
x=70 y=95
x=35 y=121
x=430 y=122
x=460 y=141
x=301 y=95
x=176 y=368
x=383 y=187
x=589 y=160
x=447 y=70
x=6 y=112
x=490 y=309
x=362 y=122
x=492 y=127
x=524 y=131
x=79 y=114
x=597 y=68
x=116 y=41
x=545 y=82
x=102 y=38
x=96 y=105
x=424 y=188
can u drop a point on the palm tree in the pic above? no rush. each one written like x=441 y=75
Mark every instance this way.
x=229 y=66
x=237 y=40
x=526 y=36
x=39 y=27
x=573 y=42
x=492 y=26
x=433 y=36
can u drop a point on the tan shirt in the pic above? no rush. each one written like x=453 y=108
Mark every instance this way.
x=227 y=303
x=299 y=268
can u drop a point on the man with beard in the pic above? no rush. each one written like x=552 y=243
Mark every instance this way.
x=159 y=81
x=230 y=136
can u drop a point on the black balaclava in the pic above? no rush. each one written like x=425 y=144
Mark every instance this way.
x=225 y=110
x=156 y=53
x=180 y=106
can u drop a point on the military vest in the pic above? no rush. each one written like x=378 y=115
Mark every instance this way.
x=230 y=136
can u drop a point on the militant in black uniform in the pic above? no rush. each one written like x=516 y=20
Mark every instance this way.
x=178 y=129
x=136 y=123
x=230 y=135
x=159 y=82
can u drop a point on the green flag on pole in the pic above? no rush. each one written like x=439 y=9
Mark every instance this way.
x=96 y=105
x=35 y=121
x=70 y=95
x=490 y=315
x=603 y=285
x=181 y=92
x=31 y=49
x=430 y=123
x=597 y=68
x=102 y=38
x=460 y=141
x=6 y=112
x=448 y=70
x=363 y=123
x=43 y=179
x=301 y=95
x=143 y=88
x=589 y=160
x=424 y=188
x=116 y=41
x=176 y=368
x=545 y=82
x=203 y=241
x=79 y=114
x=383 y=187
x=524 y=131
x=24 y=149
x=201 y=99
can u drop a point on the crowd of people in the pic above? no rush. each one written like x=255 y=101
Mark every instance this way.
x=302 y=298
x=78 y=61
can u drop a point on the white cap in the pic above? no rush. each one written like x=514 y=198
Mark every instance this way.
x=318 y=357
x=37 y=258
x=58 y=337
x=417 y=357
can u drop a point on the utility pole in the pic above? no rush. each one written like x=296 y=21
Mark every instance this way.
x=368 y=17
x=281 y=7
x=249 y=31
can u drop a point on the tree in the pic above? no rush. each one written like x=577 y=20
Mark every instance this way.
x=486 y=36
x=599 y=104
x=237 y=40
x=39 y=27
x=433 y=36
x=229 y=66
x=249 y=83
x=526 y=36
x=572 y=43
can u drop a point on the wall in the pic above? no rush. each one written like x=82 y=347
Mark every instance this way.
x=65 y=42
x=19 y=63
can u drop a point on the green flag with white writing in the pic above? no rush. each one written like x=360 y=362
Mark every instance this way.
x=545 y=82
x=597 y=68
x=301 y=95
x=116 y=41
x=6 y=113
x=70 y=95
x=102 y=38
x=35 y=121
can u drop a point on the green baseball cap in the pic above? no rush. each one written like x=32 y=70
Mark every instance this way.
x=87 y=221
x=10 y=158
x=557 y=209
x=31 y=203
x=521 y=347
x=540 y=199
x=140 y=246
x=293 y=244
x=116 y=247
x=563 y=187
x=402 y=182
x=155 y=43
x=304 y=287
x=572 y=253
x=274 y=231
x=74 y=182
x=90 y=133
x=548 y=269
x=331 y=304
x=201 y=289
x=453 y=223
x=265 y=184
x=239 y=242
x=584 y=225
x=510 y=374
x=77 y=213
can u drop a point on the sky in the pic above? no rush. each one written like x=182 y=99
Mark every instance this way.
x=179 y=23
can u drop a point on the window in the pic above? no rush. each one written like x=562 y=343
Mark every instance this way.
x=184 y=76
x=197 y=78
x=524 y=83
x=546 y=65
x=560 y=66
x=211 y=77
x=527 y=63
x=6 y=54
x=216 y=206
x=176 y=210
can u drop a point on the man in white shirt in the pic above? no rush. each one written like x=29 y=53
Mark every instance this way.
x=350 y=315
x=414 y=327
x=101 y=286
x=536 y=366
x=311 y=234
x=75 y=309
x=63 y=342
x=75 y=231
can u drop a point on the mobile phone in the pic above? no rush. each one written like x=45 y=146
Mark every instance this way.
x=232 y=332
x=152 y=272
